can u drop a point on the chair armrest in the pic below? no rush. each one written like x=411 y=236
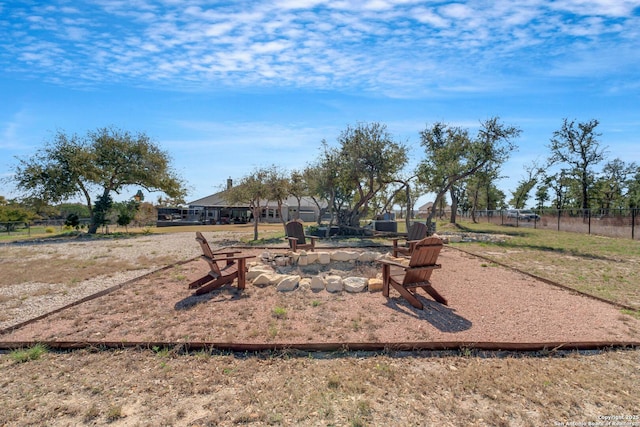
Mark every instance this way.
x=231 y=258
x=292 y=238
x=391 y=262
x=226 y=253
x=395 y=241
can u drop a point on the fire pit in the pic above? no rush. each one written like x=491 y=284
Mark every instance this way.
x=336 y=271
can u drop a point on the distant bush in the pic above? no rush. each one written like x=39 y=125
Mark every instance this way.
x=50 y=230
x=72 y=221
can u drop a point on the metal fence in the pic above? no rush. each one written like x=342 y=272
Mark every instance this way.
x=623 y=223
x=23 y=228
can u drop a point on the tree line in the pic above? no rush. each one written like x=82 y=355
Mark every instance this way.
x=364 y=174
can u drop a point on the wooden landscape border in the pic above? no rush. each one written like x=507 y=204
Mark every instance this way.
x=322 y=347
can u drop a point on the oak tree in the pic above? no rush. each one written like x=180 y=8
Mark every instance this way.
x=106 y=161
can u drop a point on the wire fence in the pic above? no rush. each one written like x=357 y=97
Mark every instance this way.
x=26 y=229
x=622 y=223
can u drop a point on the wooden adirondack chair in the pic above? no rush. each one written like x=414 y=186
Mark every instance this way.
x=233 y=267
x=417 y=231
x=406 y=278
x=296 y=237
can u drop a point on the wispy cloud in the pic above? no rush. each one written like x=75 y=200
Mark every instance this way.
x=401 y=47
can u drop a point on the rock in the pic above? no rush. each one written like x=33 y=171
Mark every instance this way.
x=312 y=257
x=354 y=284
x=344 y=256
x=257 y=271
x=334 y=284
x=317 y=283
x=324 y=258
x=454 y=238
x=263 y=279
x=288 y=283
x=305 y=284
x=375 y=285
x=282 y=261
x=369 y=256
x=303 y=260
x=275 y=278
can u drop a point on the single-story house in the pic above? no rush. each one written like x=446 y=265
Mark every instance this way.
x=214 y=209
x=425 y=210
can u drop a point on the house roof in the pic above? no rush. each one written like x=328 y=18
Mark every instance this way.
x=427 y=206
x=217 y=200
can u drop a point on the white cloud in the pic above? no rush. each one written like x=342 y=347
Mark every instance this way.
x=457 y=11
x=318 y=44
x=615 y=8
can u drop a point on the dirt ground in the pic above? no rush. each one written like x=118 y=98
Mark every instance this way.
x=155 y=385
x=487 y=304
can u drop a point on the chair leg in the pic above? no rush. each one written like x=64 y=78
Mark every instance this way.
x=215 y=284
x=386 y=273
x=408 y=295
x=242 y=273
x=435 y=294
x=201 y=281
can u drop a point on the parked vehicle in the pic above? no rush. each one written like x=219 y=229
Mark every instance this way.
x=523 y=214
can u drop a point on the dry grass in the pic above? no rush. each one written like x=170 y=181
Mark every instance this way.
x=601 y=266
x=61 y=270
x=150 y=387
x=161 y=387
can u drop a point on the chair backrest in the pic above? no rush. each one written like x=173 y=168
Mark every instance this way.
x=296 y=229
x=417 y=231
x=207 y=253
x=424 y=254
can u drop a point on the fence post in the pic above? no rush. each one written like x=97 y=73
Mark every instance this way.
x=633 y=223
x=589 y=213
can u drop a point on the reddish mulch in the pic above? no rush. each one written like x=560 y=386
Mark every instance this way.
x=487 y=304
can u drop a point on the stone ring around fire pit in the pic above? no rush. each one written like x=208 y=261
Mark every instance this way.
x=336 y=271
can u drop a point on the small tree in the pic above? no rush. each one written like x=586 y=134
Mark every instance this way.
x=252 y=190
x=278 y=188
x=612 y=186
x=578 y=147
x=366 y=161
x=146 y=215
x=126 y=212
x=298 y=188
x=452 y=155
x=101 y=210
x=12 y=213
x=73 y=221
x=322 y=181
x=107 y=160
x=525 y=185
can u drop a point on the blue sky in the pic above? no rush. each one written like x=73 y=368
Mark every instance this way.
x=229 y=86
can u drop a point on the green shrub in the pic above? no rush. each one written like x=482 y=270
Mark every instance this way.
x=280 y=312
x=25 y=355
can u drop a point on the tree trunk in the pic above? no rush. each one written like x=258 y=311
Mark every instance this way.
x=454 y=205
x=407 y=220
x=256 y=219
x=95 y=213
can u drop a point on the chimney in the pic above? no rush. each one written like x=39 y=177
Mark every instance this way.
x=229 y=183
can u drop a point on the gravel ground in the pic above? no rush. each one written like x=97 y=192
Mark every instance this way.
x=23 y=301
